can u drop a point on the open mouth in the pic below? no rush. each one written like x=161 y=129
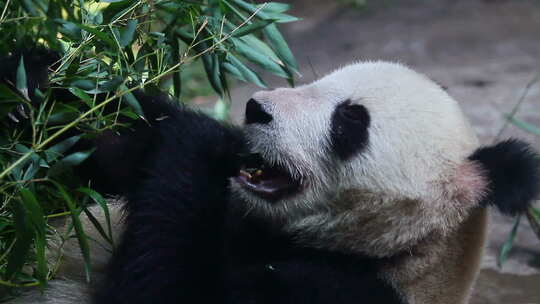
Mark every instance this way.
x=268 y=182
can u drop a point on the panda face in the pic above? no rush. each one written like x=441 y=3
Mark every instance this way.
x=367 y=141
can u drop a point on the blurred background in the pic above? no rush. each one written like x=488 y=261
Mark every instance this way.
x=487 y=55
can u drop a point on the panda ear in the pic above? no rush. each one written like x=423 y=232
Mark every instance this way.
x=512 y=168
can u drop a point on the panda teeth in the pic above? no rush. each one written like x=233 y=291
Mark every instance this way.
x=245 y=174
x=257 y=176
x=253 y=175
x=253 y=169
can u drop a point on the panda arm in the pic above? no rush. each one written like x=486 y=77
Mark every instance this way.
x=170 y=251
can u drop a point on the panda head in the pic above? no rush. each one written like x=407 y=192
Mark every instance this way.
x=372 y=158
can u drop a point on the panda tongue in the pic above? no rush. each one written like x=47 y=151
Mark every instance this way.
x=269 y=184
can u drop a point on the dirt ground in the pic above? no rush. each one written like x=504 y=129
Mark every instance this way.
x=484 y=52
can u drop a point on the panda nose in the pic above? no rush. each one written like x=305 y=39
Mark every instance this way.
x=256 y=114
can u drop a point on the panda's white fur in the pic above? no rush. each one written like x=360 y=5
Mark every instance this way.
x=412 y=192
x=411 y=189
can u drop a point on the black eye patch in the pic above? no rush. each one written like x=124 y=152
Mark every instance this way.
x=349 y=129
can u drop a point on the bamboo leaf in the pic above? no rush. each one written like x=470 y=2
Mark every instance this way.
x=99 y=34
x=250 y=8
x=185 y=36
x=97 y=18
x=267 y=11
x=262 y=47
x=118 y=8
x=536 y=213
x=30 y=7
x=21 y=82
x=280 y=46
x=69 y=161
x=84 y=84
x=24 y=235
x=112 y=84
x=97 y=225
x=232 y=70
x=96 y=197
x=533 y=215
x=129 y=32
x=282 y=18
x=79 y=231
x=41 y=259
x=140 y=62
x=70 y=29
x=258 y=58
x=31 y=171
x=508 y=244
x=246 y=72
x=221 y=110
x=62 y=117
x=211 y=66
x=72 y=68
x=254 y=27
x=275 y=7
x=523 y=125
x=17 y=172
x=57 y=150
x=81 y=94
x=76 y=158
x=37 y=218
x=130 y=99
x=34 y=211
x=177 y=77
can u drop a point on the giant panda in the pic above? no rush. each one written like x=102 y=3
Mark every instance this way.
x=366 y=186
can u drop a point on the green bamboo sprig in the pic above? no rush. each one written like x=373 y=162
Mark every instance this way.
x=183 y=61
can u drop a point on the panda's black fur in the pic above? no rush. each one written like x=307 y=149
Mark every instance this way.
x=186 y=242
x=349 y=119
x=513 y=170
x=183 y=242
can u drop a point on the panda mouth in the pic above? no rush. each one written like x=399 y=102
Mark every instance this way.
x=269 y=182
